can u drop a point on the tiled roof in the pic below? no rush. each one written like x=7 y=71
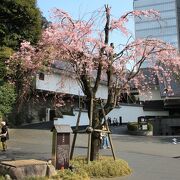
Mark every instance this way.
x=63 y=128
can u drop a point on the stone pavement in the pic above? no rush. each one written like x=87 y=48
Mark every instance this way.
x=151 y=158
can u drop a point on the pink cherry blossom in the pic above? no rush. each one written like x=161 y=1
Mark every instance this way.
x=81 y=44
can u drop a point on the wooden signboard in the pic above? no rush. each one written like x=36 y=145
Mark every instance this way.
x=61 y=146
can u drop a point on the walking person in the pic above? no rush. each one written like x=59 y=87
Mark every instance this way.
x=4 y=135
x=109 y=121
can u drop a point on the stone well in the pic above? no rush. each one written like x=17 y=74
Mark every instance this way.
x=18 y=169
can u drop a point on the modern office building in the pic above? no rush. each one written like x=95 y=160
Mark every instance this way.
x=166 y=29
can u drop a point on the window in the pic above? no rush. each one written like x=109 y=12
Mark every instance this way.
x=41 y=76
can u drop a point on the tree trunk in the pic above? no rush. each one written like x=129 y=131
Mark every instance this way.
x=95 y=141
x=95 y=146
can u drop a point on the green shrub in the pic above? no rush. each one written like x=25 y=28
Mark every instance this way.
x=67 y=174
x=104 y=167
x=36 y=178
x=150 y=127
x=133 y=126
x=2 y=178
x=7 y=98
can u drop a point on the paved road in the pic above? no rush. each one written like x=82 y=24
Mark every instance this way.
x=151 y=158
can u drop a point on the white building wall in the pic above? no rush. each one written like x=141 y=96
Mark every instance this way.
x=65 y=84
x=128 y=114
x=131 y=113
x=58 y=83
x=71 y=120
x=102 y=92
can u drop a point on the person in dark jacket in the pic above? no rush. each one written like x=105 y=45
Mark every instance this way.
x=4 y=135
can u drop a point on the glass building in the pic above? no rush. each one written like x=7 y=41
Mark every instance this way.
x=167 y=28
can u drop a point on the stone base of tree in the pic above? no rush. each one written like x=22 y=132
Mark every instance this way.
x=141 y=133
x=19 y=169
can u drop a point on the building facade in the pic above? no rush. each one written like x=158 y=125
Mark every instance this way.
x=167 y=28
x=61 y=83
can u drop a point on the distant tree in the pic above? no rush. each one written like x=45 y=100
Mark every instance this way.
x=7 y=98
x=5 y=53
x=7 y=91
x=85 y=46
x=19 y=20
x=45 y=23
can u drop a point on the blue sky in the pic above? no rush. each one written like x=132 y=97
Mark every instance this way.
x=80 y=7
x=76 y=7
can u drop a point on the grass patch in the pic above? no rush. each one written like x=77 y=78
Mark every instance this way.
x=105 y=167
